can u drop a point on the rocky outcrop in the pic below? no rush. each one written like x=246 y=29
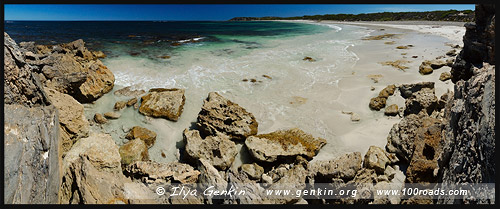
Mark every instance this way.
x=32 y=146
x=283 y=145
x=174 y=172
x=424 y=100
x=72 y=69
x=21 y=85
x=401 y=137
x=92 y=172
x=479 y=44
x=407 y=90
x=137 y=132
x=163 y=103
x=219 y=114
x=469 y=137
x=218 y=150
x=72 y=122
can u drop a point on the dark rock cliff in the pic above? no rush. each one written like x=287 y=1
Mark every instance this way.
x=469 y=135
x=31 y=138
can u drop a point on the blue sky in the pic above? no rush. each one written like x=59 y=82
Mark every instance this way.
x=201 y=12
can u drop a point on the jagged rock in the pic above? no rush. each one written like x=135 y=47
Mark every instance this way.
x=253 y=171
x=32 y=146
x=72 y=122
x=392 y=110
x=173 y=172
x=99 y=118
x=92 y=172
x=137 y=132
x=120 y=105
x=293 y=179
x=376 y=159
x=127 y=91
x=469 y=150
x=72 y=69
x=112 y=115
x=32 y=154
x=424 y=100
x=163 y=103
x=387 y=91
x=219 y=114
x=209 y=175
x=21 y=85
x=407 y=90
x=283 y=144
x=218 y=150
x=479 y=43
x=134 y=150
x=131 y=102
x=377 y=103
x=445 y=76
x=428 y=146
x=343 y=167
x=401 y=137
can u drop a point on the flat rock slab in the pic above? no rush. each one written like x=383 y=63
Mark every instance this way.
x=283 y=144
x=163 y=103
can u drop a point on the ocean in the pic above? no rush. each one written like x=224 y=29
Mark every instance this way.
x=202 y=57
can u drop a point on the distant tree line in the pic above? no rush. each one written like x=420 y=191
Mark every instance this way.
x=448 y=15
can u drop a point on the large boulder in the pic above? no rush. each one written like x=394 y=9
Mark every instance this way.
x=407 y=90
x=92 y=172
x=343 y=167
x=402 y=136
x=72 y=122
x=163 y=103
x=137 y=132
x=219 y=114
x=218 y=150
x=174 y=172
x=428 y=146
x=134 y=150
x=283 y=145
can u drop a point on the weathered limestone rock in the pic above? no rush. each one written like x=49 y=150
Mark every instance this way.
x=134 y=150
x=387 y=91
x=131 y=102
x=92 y=172
x=424 y=100
x=253 y=171
x=218 y=114
x=343 y=167
x=402 y=135
x=283 y=144
x=120 y=105
x=174 y=172
x=128 y=92
x=137 y=132
x=377 y=103
x=392 y=110
x=112 y=115
x=407 y=90
x=445 y=76
x=163 y=103
x=376 y=159
x=218 y=150
x=99 y=118
x=72 y=122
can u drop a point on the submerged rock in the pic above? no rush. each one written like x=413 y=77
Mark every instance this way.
x=219 y=114
x=128 y=92
x=218 y=150
x=150 y=171
x=99 y=118
x=112 y=115
x=310 y=59
x=137 y=132
x=120 y=105
x=283 y=144
x=163 y=103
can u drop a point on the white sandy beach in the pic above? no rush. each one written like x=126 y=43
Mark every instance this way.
x=326 y=94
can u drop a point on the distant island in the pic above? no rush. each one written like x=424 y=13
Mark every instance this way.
x=448 y=15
